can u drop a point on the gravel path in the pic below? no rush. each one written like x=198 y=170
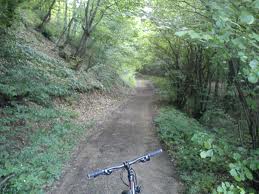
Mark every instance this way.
x=126 y=134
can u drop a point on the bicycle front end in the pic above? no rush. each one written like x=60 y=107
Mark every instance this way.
x=132 y=184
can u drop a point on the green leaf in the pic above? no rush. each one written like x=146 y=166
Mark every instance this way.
x=219 y=189
x=224 y=186
x=247 y=18
x=252 y=78
x=227 y=184
x=253 y=64
x=237 y=178
x=236 y=156
x=256 y=4
x=205 y=154
x=194 y=35
x=242 y=56
x=233 y=172
x=252 y=166
x=210 y=153
x=181 y=33
x=207 y=144
x=241 y=190
x=248 y=174
x=206 y=37
x=240 y=42
x=254 y=36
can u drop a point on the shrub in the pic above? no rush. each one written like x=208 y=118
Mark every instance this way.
x=164 y=88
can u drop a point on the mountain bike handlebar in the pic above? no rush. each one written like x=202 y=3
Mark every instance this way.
x=109 y=170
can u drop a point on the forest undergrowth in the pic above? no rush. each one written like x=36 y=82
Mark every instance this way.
x=208 y=154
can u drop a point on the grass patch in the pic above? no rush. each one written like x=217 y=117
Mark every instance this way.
x=36 y=148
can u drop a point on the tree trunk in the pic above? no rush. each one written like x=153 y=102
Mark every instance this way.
x=46 y=17
x=65 y=31
x=82 y=45
x=92 y=7
x=65 y=15
x=58 y=15
x=75 y=15
x=216 y=89
x=68 y=39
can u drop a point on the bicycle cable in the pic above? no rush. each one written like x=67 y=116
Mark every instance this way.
x=121 y=177
x=135 y=176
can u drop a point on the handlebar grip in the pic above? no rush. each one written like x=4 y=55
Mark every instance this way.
x=151 y=154
x=95 y=174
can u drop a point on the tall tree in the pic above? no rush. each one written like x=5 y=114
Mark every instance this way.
x=65 y=14
x=47 y=17
x=94 y=12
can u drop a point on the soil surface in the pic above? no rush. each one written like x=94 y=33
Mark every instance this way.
x=128 y=132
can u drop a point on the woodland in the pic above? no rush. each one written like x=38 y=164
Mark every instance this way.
x=201 y=55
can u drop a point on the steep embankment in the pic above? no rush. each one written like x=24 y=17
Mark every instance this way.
x=41 y=120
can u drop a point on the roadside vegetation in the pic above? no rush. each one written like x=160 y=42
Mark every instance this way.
x=207 y=52
x=208 y=160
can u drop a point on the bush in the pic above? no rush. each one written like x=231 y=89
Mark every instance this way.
x=164 y=88
x=217 y=118
x=107 y=76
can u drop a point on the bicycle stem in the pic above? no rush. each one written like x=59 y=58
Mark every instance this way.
x=131 y=177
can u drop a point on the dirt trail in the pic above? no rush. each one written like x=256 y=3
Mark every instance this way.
x=126 y=134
